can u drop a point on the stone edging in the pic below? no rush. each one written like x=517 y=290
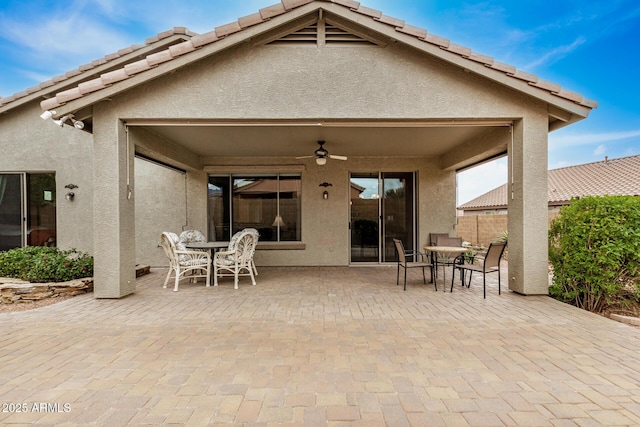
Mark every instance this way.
x=634 y=321
x=16 y=291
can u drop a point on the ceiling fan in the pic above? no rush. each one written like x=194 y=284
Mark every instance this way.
x=321 y=155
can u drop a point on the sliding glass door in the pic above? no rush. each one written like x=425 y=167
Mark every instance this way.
x=11 y=211
x=27 y=210
x=382 y=208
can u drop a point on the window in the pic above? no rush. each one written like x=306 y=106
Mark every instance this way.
x=268 y=203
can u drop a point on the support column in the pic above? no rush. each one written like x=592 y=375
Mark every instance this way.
x=113 y=211
x=528 y=207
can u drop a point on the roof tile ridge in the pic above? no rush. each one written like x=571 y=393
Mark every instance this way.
x=97 y=62
x=284 y=6
x=598 y=162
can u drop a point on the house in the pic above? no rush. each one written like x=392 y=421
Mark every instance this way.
x=151 y=135
x=612 y=177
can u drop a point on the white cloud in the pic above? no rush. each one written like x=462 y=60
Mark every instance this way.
x=600 y=150
x=555 y=54
x=481 y=179
x=574 y=140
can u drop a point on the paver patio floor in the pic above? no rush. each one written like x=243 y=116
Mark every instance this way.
x=316 y=347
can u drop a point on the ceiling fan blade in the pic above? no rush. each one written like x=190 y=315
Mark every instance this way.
x=305 y=157
x=336 y=157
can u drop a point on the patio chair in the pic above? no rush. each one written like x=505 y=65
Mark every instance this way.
x=433 y=240
x=184 y=262
x=192 y=236
x=445 y=258
x=402 y=262
x=235 y=237
x=490 y=264
x=237 y=260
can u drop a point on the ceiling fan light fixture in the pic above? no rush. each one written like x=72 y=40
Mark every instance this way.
x=321 y=161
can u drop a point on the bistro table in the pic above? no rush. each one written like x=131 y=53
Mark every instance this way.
x=442 y=254
x=210 y=247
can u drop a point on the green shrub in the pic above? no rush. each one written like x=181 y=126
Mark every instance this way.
x=40 y=264
x=594 y=249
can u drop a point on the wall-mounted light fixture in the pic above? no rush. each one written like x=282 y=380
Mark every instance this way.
x=325 y=193
x=47 y=114
x=78 y=124
x=70 y=194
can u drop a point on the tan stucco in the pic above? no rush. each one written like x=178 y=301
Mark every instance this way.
x=29 y=144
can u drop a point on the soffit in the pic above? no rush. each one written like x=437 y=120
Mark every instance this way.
x=358 y=139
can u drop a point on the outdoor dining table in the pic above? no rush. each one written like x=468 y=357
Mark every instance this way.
x=442 y=253
x=211 y=247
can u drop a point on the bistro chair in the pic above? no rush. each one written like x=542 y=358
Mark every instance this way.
x=237 y=260
x=402 y=262
x=182 y=261
x=237 y=235
x=445 y=259
x=491 y=264
x=192 y=236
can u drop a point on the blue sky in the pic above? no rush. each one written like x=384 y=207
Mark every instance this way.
x=587 y=47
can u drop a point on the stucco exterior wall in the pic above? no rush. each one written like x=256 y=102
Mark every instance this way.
x=161 y=205
x=283 y=82
x=30 y=144
x=325 y=223
x=278 y=82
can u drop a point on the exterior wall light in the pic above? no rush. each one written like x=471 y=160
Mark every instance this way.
x=47 y=114
x=325 y=193
x=70 y=195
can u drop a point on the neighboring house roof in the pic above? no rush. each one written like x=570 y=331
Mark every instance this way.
x=485 y=65
x=611 y=177
x=98 y=67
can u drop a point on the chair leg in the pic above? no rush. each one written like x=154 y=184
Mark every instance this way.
x=433 y=279
x=209 y=276
x=166 y=281
x=175 y=287
x=253 y=279
x=498 y=280
x=235 y=279
x=215 y=275
x=484 y=284
x=453 y=276
x=398 y=275
x=424 y=278
x=405 y=278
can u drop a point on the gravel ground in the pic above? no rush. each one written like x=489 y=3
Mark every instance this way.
x=22 y=306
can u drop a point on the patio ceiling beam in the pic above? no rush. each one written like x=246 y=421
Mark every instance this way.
x=490 y=144
x=163 y=150
x=366 y=123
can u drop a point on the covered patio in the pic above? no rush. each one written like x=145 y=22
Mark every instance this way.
x=319 y=346
x=252 y=97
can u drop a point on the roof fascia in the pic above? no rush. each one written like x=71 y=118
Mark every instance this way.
x=74 y=80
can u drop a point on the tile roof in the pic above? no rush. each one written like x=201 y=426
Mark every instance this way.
x=612 y=177
x=267 y=13
x=89 y=69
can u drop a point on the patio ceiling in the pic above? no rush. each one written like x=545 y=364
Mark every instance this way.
x=291 y=139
